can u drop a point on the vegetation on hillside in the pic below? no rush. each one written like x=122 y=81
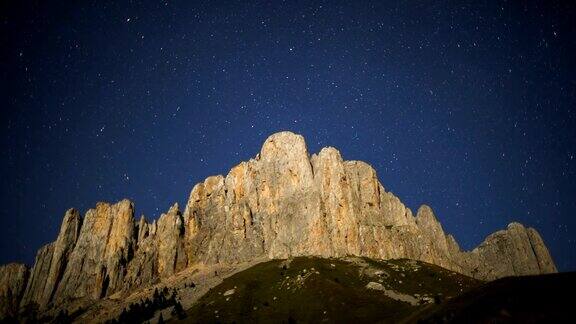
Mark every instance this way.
x=308 y=289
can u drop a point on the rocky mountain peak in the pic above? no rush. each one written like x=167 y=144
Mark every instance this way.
x=284 y=145
x=281 y=204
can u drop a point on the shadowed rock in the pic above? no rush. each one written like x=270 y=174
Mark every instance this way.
x=13 y=279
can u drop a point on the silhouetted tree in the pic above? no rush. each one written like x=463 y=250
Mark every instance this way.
x=178 y=311
x=62 y=317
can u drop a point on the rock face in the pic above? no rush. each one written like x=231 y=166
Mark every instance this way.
x=516 y=250
x=51 y=261
x=13 y=278
x=99 y=259
x=282 y=203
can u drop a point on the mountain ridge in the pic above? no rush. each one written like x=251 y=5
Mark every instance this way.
x=280 y=204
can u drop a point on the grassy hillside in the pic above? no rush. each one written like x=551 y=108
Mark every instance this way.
x=316 y=290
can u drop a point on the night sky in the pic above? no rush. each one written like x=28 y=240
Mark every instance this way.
x=469 y=108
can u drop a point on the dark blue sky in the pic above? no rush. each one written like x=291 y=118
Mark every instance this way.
x=469 y=108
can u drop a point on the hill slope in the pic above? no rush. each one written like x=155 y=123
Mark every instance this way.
x=332 y=290
x=527 y=299
x=314 y=290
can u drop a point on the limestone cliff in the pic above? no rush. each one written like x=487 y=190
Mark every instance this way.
x=280 y=204
x=13 y=279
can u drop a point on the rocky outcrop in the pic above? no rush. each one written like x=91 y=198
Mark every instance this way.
x=51 y=261
x=514 y=251
x=171 y=254
x=39 y=275
x=545 y=262
x=285 y=203
x=97 y=264
x=13 y=278
x=280 y=204
x=160 y=250
x=63 y=247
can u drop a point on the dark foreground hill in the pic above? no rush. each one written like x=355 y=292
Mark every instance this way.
x=314 y=290
x=528 y=299
x=361 y=290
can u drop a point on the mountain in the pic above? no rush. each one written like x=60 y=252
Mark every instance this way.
x=281 y=204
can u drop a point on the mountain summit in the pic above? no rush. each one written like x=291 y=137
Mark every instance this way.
x=281 y=204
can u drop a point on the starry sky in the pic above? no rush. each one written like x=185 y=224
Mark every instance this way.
x=469 y=107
